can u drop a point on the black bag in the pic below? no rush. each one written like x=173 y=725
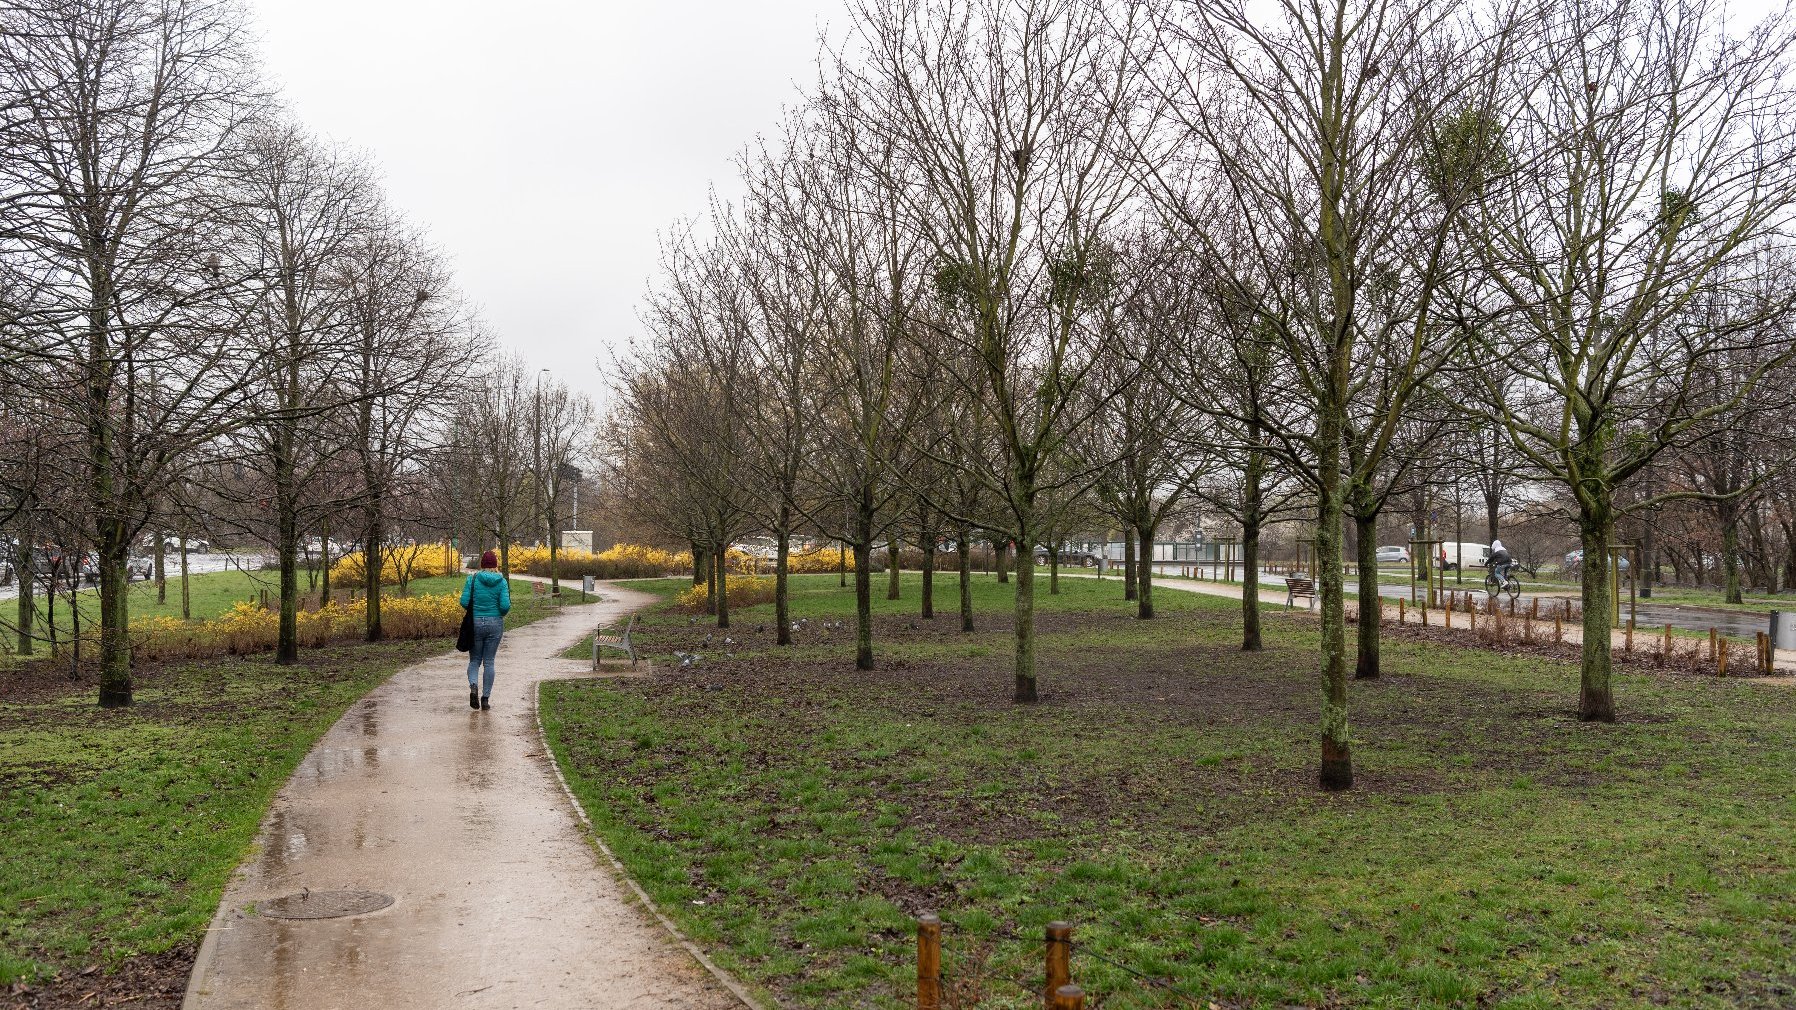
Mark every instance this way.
x=464 y=640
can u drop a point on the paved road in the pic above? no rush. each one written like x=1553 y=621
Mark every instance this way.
x=498 y=898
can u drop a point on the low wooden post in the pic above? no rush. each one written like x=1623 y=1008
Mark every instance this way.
x=1424 y=617
x=1721 y=660
x=1447 y=615
x=1402 y=611
x=1534 y=609
x=1067 y=997
x=1712 y=638
x=1759 y=640
x=1512 y=606
x=1665 y=645
x=929 y=962
x=1627 y=643
x=1058 y=959
x=1558 y=630
x=1473 y=617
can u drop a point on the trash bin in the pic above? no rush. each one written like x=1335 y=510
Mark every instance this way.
x=1783 y=629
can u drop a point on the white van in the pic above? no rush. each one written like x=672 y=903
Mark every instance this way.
x=1452 y=555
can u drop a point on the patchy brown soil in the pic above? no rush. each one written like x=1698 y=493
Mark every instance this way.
x=146 y=982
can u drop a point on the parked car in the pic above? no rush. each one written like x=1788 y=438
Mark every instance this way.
x=193 y=546
x=1393 y=554
x=1574 y=562
x=139 y=567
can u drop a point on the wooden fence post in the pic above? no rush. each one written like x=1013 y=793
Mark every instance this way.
x=1534 y=609
x=1558 y=630
x=1402 y=611
x=929 y=963
x=1627 y=643
x=1058 y=958
x=1721 y=660
x=1067 y=997
x=1447 y=615
x=1665 y=649
x=1712 y=638
x=1763 y=664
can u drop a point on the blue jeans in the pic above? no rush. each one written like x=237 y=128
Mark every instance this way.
x=487 y=632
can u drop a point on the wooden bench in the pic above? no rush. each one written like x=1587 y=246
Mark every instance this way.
x=621 y=643
x=1298 y=586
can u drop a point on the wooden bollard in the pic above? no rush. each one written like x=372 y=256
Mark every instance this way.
x=1763 y=664
x=1446 y=617
x=1534 y=609
x=1558 y=630
x=1058 y=959
x=1067 y=997
x=1474 y=619
x=1712 y=638
x=1512 y=606
x=1627 y=642
x=1721 y=660
x=929 y=962
x=1665 y=647
x=1402 y=606
x=1424 y=610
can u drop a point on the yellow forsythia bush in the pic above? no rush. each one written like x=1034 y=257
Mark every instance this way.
x=247 y=628
x=744 y=591
x=421 y=561
x=622 y=561
x=822 y=561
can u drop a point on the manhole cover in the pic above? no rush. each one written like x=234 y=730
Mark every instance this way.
x=323 y=904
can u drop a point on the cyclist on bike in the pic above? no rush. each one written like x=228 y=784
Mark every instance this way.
x=1500 y=562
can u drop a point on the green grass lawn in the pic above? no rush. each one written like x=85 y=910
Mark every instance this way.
x=794 y=814
x=122 y=826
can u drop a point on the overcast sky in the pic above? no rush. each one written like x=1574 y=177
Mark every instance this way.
x=545 y=143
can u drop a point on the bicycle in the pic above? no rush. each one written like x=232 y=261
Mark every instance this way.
x=1510 y=586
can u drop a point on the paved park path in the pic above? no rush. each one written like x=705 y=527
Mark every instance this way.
x=498 y=899
x=1644 y=635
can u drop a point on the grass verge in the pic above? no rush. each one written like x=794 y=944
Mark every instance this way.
x=793 y=814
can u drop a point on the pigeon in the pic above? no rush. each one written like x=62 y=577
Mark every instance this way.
x=760 y=629
x=727 y=640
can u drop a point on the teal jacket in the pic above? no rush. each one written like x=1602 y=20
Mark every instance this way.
x=488 y=593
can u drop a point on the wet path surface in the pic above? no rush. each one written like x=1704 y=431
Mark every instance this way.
x=498 y=900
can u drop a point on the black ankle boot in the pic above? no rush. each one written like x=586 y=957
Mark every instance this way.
x=484 y=704
x=473 y=698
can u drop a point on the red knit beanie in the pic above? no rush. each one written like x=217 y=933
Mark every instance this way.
x=489 y=560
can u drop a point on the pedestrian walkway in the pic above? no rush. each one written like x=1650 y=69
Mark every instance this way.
x=497 y=898
x=1783 y=659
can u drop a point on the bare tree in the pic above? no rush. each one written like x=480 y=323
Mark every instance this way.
x=125 y=108
x=1653 y=153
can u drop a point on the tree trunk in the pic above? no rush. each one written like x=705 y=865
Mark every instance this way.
x=1252 y=493
x=722 y=555
x=24 y=563
x=186 y=597
x=1729 y=514
x=928 y=608
x=1649 y=558
x=1001 y=554
x=863 y=603
x=782 y=612
x=1371 y=615
x=1596 y=702
x=965 y=561
x=1144 y=572
x=373 y=557
x=701 y=566
x=1129 y=587
x=115 y=616
x=161 y=571
x=286 y=646
x=1054 y=571
x=710 y=583
x=1336 y=771
x=892 y=556
x=1025 y=601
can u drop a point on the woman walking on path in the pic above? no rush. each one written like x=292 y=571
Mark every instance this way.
x=489 y=596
